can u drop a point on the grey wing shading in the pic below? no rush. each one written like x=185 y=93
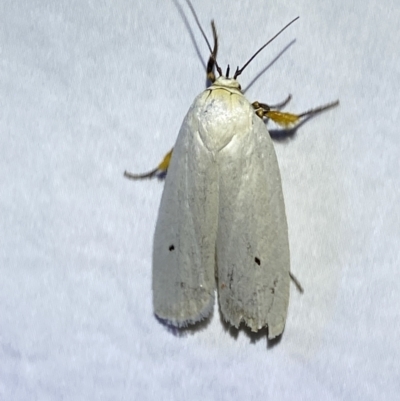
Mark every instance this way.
x=185 y=235
x=253 y=258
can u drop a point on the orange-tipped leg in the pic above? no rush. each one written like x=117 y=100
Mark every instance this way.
x=287 y=119
x=159 y=171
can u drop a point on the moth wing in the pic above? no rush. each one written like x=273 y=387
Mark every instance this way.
x=186 y=229
x=253 y=258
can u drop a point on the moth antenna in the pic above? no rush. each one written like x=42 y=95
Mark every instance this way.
x=205 y=37
x=240 y=70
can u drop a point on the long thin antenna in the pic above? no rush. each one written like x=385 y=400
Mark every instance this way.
x=204 y=35
x=213 y=57
x=239 y=71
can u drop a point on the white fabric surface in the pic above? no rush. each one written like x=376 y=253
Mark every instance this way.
x=89 y=89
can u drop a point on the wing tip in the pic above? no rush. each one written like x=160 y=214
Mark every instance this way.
x=255 y=325
x=183 y=321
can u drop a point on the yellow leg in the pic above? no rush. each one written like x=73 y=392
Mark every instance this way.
x=160 y=170
x=287 y=119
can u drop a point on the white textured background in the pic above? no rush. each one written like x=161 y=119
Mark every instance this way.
x=91 y=88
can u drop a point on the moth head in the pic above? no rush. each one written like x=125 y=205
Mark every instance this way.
x=227 y=83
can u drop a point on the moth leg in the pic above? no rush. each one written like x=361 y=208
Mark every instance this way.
x=159 y=171
x=287 y=119
x=280 y=105
x=296 y=282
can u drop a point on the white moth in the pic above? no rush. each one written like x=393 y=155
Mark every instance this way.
x=222 y=219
